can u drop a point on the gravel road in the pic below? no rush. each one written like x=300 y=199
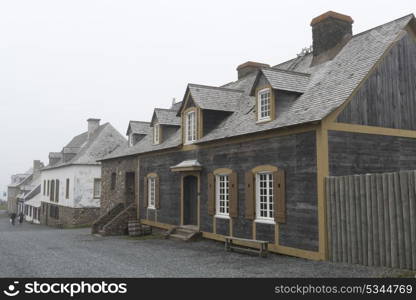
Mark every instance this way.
x=29 y=250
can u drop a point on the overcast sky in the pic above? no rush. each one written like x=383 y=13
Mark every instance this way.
x=62 y=62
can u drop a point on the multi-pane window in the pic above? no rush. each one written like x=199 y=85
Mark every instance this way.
x=151 y=192
x=67 y=189
x=264 y=196
x=191 y=127
x=156 y=134
x=222 y=195
x=44 y=187
x=47 y=194
x=97 y=188
x=264 y=105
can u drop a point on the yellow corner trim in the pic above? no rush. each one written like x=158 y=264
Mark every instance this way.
x=372 y=130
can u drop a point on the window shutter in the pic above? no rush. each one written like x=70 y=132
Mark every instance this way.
x=145 y=188
x=57 y=191
x=211 y=194
x=280 y=198
x=249 y=200
x=233 y=195
x=157 y=192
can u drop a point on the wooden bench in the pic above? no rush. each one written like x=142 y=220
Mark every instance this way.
x=244 y=246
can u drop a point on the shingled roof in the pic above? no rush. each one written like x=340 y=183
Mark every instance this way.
x=322 y=88
x=138 y=127
x=215 y=98
x=166 y=117
x=286 y=80
x=103 y=141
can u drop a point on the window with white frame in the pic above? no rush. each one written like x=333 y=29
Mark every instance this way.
x=190 y=127
x=97 y=187
x=264 y=196
x=131 y=141
x=156 y=134
x=264 y=105
x=222 y=195
x=152 y=192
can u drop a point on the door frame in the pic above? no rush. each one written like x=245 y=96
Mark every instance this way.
x=126 y=174
x=198 y=176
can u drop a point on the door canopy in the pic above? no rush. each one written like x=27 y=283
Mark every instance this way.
x=187 y=165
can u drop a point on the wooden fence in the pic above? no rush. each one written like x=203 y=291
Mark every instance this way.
x=372 y=219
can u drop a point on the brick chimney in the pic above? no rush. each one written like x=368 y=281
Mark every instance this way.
x=249 y=67
x=54 y=157
x=330 y=32
x=93 y=124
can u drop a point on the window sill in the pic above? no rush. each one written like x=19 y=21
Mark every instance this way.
x=222 y=217
x=152 y=208
x=265 y=221
x=263 y=121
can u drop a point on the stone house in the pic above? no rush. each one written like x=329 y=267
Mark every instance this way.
x=249 y=158
x=71 y=182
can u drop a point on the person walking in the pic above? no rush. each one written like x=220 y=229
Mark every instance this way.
x=12 y=218
x=21 y=218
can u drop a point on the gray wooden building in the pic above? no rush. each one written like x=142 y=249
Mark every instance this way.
x=249 y=158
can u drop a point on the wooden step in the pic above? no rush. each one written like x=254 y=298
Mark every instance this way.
x=179 y=237
x=183 y=230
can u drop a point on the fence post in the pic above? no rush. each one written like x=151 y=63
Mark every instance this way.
x=404 y=191
x=380 y=214
x=363 y=207
x=412 y=210
x=387 y=240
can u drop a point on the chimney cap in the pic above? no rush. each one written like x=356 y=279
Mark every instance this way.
x=331 y=14
x=252 y=64
x=93 y=120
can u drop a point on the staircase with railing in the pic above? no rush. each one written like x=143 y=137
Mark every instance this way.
x=106 y=218
x=118 y=225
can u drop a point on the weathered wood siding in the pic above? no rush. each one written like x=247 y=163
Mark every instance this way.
x=358 y=153
x=371 y=219
x=295 y=153
x=388 y=97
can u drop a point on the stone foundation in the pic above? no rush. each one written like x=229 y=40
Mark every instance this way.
x=68 y=216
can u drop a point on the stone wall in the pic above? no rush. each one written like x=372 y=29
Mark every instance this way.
x=110 y=197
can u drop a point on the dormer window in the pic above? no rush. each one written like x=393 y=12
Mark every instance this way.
x=264 y=105
x=156 y=134
x=190 y=135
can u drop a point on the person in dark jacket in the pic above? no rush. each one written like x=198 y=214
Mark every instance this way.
x=12 y=218
x=21 y=217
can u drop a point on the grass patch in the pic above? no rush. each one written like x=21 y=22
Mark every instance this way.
x=406 y=274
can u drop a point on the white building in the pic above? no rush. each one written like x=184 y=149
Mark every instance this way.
x=71 y=183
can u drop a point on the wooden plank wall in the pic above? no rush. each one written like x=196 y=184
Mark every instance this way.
x=372 y=219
